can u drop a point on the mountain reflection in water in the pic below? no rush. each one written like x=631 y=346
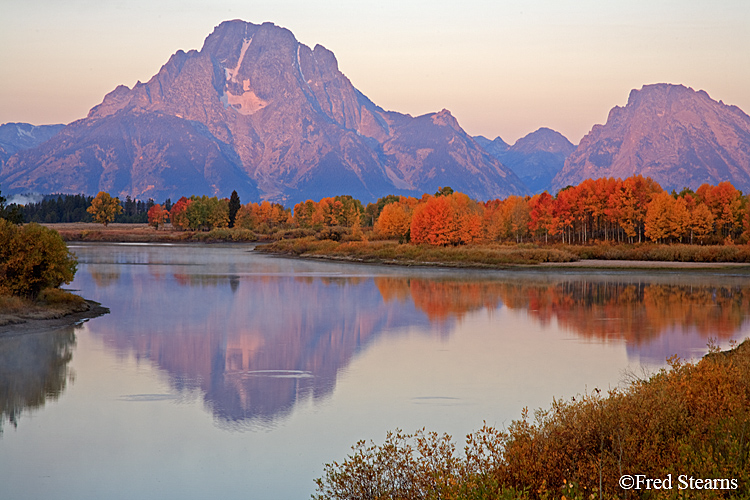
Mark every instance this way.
x=257 y=343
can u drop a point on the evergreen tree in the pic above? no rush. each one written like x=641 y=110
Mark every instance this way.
x=234 y=206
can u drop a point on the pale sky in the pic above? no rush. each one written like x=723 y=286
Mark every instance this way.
x=501 y=67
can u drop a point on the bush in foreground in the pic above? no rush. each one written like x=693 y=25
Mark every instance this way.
x=691 y=420
x=33 y=258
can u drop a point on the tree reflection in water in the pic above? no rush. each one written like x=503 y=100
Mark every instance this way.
x=33 y=369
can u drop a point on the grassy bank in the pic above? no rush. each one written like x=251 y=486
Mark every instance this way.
x=52 y=303
x=663 y=253
x=143 y=233
x=390 y=252
x=689 y=421
x=497 y=255
x=302 y=243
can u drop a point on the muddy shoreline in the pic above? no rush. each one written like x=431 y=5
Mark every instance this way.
x=20 y=324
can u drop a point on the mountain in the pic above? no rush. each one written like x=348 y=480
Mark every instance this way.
x=16 y=137
x=535 y=158
x=256 y=111
x=495 y=147
x=671 y=133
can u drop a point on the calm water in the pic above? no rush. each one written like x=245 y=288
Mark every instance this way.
x=222 y=373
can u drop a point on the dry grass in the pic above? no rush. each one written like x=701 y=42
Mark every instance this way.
x=52 y=303
x=390 y=252
x=143 y=233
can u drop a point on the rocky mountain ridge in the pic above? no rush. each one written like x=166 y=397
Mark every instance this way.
x=677 y=136
x=258 y=112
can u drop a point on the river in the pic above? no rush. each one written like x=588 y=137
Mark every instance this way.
x=221 y=372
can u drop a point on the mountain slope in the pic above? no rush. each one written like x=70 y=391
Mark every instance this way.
x=256 y=111
x=535 y=158
x=671 y=133
x=16 y=137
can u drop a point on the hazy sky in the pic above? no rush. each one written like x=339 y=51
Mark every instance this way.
x=502 y=67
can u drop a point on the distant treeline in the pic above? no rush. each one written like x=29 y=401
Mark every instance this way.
x=72 y=208
x=607 y=210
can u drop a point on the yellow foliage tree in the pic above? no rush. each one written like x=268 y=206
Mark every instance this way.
x=394 y=222
x=104 y=208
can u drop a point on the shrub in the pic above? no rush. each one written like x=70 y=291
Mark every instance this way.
x=33 y=258
x=691 y=419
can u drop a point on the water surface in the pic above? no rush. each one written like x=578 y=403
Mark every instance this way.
x=221 y=372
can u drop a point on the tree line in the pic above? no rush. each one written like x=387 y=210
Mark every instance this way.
x=631 y=210
x=57 y=208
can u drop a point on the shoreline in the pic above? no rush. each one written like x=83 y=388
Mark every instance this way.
x=582 y=264
x=40 y=321
x=478 y=257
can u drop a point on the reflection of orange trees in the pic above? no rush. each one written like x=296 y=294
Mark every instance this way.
x=634 y=312
x=631 y=311
x=441 y=300
x=105 y=276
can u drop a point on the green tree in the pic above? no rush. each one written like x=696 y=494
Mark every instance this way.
x=33 y=258
x=204 y=213
x=104 y=208
x=234 y=206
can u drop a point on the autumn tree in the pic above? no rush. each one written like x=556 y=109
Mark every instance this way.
x=395 y=219
x=447 y=220
x=373 y=210
x=629 y=202
x=507 y=219
x=541 y=214
x=104 y=208
x=157 y=216
x=33 y=258
x=725 y=203
x=178 y=214
x=666 y=217
x=264 y=217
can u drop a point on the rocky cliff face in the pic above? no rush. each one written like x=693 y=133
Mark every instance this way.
x=256 y=111
x=671 y=133
x=535 y=158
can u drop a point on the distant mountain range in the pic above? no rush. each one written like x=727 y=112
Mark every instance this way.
x=535 y=158
x=671 y=133
x=257 y=112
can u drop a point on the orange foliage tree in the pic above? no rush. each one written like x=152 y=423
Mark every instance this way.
x=178 y=216
x=263 y=217
x=157 y=216
x=725 y=203
x=395 y=219
x=446 y=220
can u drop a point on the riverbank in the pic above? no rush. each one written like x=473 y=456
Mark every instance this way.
x=476 y=256
x=494 y=256
x=54 y=309
x=143 y=233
